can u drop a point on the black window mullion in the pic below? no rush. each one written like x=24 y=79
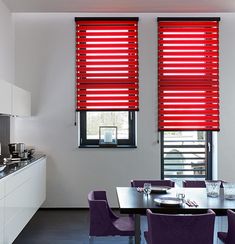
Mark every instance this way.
x=162 y=154
x=209 y=154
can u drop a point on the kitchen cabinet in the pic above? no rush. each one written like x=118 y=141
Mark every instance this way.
x=1 y=211
x=21 y=102
x=23 y=193
x=14 y=100
x=5 y=97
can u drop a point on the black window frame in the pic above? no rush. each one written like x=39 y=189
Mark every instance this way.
x=129 y=143
x=209 y=153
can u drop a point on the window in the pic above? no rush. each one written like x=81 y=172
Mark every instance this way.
x=186 y=154
x=107 y=77
x=188 y=94
x=91 y=121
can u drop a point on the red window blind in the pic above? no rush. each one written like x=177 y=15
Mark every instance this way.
x=188 y=74
x=107 y=64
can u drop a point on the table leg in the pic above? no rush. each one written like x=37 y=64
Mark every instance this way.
x=137 y=229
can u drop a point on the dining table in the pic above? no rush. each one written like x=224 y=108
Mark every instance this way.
x=134 y=201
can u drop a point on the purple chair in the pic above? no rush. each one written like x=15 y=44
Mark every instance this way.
x=229 y=237
x=103 y=222
x=197 y=183
x=194 y=183
x=180 y=229
x=140 y=183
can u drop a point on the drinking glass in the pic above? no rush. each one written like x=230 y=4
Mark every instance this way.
x=229 y=190
x=213 y=188
x=180 y=194
x=147 y=188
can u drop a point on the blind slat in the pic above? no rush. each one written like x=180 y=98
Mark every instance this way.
x=188 y=75
x=107 y=64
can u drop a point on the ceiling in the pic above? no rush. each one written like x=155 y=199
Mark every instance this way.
x=121 y=6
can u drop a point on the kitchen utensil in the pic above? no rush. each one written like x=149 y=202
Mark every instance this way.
x=2 y=167
x=31 y=151
x=12 y=148
x=20 y=147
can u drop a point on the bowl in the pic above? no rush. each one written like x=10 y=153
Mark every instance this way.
x=2 y=167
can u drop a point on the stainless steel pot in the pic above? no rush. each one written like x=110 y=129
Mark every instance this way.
x=20 y=147
x=12 y=148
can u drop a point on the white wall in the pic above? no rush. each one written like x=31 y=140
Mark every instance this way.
x=45 y=50
x=7 y=50
x=226 y=136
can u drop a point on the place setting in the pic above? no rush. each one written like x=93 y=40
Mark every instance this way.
x=167 y=201
x=149 y=189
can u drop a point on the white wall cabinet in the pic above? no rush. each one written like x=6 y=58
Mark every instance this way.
x=14 y=100
x=5 y=97
x=21 y=102
x=23 y=193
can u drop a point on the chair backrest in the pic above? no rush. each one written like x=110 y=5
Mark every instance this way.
x=140 y=183
x=180 y=229
x=197 y=183
x=194 y=183
x=101 y=216
x=231 y=227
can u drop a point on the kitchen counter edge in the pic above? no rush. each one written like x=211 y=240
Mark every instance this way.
x=21 y=165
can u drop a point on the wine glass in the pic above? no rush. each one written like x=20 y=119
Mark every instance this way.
x=180 y=194
x=147 y=188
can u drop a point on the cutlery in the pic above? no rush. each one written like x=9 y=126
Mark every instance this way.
x=195 y=204
x=188 y=202
x=139 y=189
x=191 y=203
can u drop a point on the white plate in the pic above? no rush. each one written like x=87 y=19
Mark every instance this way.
x=168 y=201
x=160 y=189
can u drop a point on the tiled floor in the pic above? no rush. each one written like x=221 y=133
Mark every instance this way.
x=71 y=226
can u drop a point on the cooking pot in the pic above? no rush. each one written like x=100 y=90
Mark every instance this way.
x=20 y=147
x=16 y=149
x=12 y=148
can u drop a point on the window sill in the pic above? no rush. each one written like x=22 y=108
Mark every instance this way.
x=97 y=146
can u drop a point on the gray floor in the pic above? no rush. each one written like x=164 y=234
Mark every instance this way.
x=71 y=226
x=61 y=227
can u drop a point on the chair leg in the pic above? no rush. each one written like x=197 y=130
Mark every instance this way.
x=91 y=239
x=131 y=240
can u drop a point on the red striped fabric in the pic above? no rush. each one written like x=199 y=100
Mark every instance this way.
x=188 y=75
x=107 y=64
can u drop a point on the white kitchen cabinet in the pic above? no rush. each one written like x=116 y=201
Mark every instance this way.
x=21 y=102
x=5 y=97
x=1 y=212
x=14 y=100
x=17 y=205
x=24 y=192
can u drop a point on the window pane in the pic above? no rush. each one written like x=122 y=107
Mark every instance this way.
x=96 y=119
x=185 y=154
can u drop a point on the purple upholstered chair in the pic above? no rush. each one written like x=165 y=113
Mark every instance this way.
x=140 y=183
x=229 y=237
x=103 y=222
x=180 y=229
x=194 y=183
x=197 y=183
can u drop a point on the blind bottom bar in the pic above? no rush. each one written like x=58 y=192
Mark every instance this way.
x=185 y=176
